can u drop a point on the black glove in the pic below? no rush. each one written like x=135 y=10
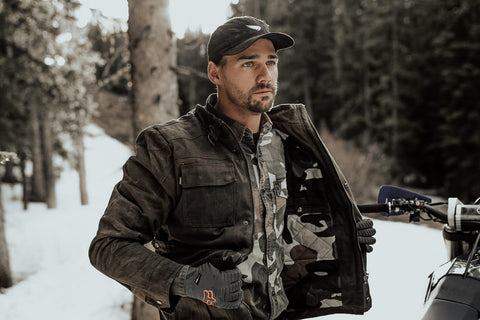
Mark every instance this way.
x=222 y=289
x=365 y=233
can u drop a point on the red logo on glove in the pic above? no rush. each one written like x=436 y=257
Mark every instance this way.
x=208 y=297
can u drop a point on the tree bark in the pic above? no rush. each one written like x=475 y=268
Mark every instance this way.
x=367 y=94
x=153 y=57
x=154 y=82
x=25 y=184
x=394 y=77
x=47 y=156
x=37 y=191
x=5 y=272
x=143 y=311
x=80 y=166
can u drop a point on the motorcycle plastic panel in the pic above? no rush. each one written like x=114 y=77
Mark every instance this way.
x=448 y=291
x=447 y=310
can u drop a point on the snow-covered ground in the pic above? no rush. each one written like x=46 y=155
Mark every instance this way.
x=55 y=281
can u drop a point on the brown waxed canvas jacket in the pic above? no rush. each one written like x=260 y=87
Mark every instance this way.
x=187 y=189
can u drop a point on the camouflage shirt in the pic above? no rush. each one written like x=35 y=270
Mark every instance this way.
x=263 y=289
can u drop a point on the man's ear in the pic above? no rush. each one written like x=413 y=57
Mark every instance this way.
x=213 y=73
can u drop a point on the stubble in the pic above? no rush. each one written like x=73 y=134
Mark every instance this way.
x=250 y=102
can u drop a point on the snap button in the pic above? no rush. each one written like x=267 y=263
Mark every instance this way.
x=246 y=222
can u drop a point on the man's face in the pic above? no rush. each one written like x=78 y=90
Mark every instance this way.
x=248 y=80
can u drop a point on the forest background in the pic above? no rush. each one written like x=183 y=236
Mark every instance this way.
x=393 y=86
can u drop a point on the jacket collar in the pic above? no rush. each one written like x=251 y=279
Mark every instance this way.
x=218 y=125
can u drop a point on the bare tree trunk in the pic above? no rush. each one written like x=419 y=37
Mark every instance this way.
x=80 y=167
x=154 y=82
x=79 y=147
x=394 y=77
x=367 y=95
x=192 y=91
x=37 y=191
x=340 y=23
x=5 y=272
x=47 y=157
x=25 y=184
x=9 y=176
x=143 y=311
x=153 y=57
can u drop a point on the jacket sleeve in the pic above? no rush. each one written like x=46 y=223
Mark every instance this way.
x=138 y=207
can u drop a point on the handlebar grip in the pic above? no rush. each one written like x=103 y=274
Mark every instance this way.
x=373 y=208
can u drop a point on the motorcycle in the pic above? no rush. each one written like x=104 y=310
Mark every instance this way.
x=453 y=290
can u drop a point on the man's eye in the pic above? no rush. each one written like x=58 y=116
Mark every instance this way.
x=248 y=64
x=272 y=63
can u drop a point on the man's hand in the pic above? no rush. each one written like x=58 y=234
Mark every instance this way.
x=365 y=233
x=222 y=289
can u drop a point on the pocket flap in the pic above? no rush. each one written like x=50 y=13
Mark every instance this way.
x=207 y=174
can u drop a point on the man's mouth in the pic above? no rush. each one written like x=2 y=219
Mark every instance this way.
x=263 y=92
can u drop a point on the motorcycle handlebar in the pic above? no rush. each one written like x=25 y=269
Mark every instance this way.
x=374 y=208
x=442 y=216
x=461 y=217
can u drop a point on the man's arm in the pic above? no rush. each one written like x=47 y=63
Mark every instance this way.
x=139 y=206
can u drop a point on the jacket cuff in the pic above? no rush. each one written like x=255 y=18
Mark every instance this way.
x=160 y=283
x=178 y=285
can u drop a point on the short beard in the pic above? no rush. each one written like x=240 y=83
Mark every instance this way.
x=258 y=106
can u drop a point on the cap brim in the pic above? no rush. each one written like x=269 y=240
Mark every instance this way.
x=280 y=41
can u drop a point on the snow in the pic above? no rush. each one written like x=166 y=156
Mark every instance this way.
x=55 y=281
x=49 y=248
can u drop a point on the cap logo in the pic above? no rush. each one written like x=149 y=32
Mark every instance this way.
x=254 y=27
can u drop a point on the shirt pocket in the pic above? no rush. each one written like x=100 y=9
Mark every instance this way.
x=208 y=194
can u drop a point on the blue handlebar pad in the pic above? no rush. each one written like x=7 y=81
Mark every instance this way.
x=388 y=193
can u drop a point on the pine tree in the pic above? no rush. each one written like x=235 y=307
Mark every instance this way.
x=455 y=52
x=44 y=79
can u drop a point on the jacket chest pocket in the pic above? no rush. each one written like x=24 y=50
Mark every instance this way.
x=208 y=194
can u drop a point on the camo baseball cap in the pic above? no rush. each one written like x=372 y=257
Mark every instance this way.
x=239 y=33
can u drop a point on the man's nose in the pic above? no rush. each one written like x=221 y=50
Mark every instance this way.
x=264 y=74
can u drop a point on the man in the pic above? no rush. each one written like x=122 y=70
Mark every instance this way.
x=247 y=212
